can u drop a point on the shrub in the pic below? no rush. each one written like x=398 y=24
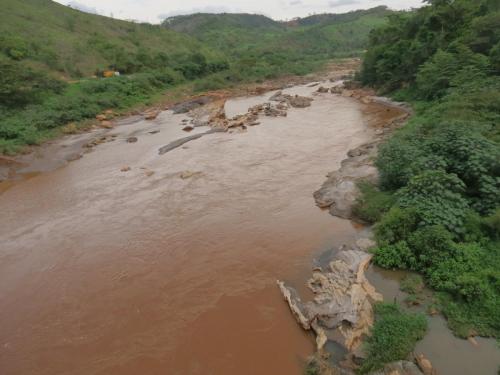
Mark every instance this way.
x=437 y=198
x=393 y=336
x=394 y=256
x=430 y=246
x=372 y=203
x=21 y=85
x=492 y=225
x=412 y=284
x=396 y=225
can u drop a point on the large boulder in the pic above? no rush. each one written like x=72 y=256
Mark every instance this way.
x=191 y=104
x=340 y=191
x=341 y=310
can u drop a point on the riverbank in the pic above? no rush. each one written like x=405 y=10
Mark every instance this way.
x=339 y=194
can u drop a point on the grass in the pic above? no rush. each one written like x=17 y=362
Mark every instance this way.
x=372 y=202
x=393 y=336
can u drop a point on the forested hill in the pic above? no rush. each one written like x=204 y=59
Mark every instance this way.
x=440 y=174
x=199 y=23
x=324 y=35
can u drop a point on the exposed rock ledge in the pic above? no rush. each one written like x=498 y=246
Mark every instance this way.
x=340 y=191
x=341 y=310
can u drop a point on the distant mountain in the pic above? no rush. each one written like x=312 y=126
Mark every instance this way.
x=315 y=19
x=324 y=34
x=196 y=24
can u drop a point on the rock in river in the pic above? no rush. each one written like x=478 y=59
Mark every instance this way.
x=341 y=310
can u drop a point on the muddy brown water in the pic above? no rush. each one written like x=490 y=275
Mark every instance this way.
x=110 y=272
x=146 y=272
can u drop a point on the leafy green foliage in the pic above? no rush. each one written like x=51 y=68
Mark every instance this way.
x=393 y=336
x=412 y=284
x=372 y=203
x=79 y=102
x=444 y=166
x=436 y=198
x=21 y=85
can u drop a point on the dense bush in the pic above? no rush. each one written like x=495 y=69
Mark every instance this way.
x=393 y=336
x=78 y=102
x=437 y=198
x=372 y=203
x=444 y=166
x=21 y=85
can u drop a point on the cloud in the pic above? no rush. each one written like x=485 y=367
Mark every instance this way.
x=82 y=7
x=295 y=2
x=339 y=3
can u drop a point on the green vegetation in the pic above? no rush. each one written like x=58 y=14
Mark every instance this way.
x=443 y=168
x=263 y=48
x=70 y=44
x=49 y=54
x=372 y=203
x=393 y=336
x=312 y=368
x=412 y=284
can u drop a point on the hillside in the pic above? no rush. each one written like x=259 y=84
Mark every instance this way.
x=337 y=34
x=55 y=38
x=200 y=23
x=258 y=47
x=330 y=18
x=325 y=35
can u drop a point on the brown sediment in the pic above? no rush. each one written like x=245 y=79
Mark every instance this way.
x=106 y=272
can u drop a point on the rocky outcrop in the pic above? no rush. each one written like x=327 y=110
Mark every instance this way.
x=152 y=114
x=340 y=191
x=179 y=142
x=191 y=104
x=295 y=101
x=425 y=365
x=341 y=310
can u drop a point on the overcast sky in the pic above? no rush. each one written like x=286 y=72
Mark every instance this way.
x=154 y=10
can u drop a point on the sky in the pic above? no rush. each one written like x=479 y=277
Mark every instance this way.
x=154 y=11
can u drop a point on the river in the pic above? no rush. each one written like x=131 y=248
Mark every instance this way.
x=111 y=272
x=126 y=261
